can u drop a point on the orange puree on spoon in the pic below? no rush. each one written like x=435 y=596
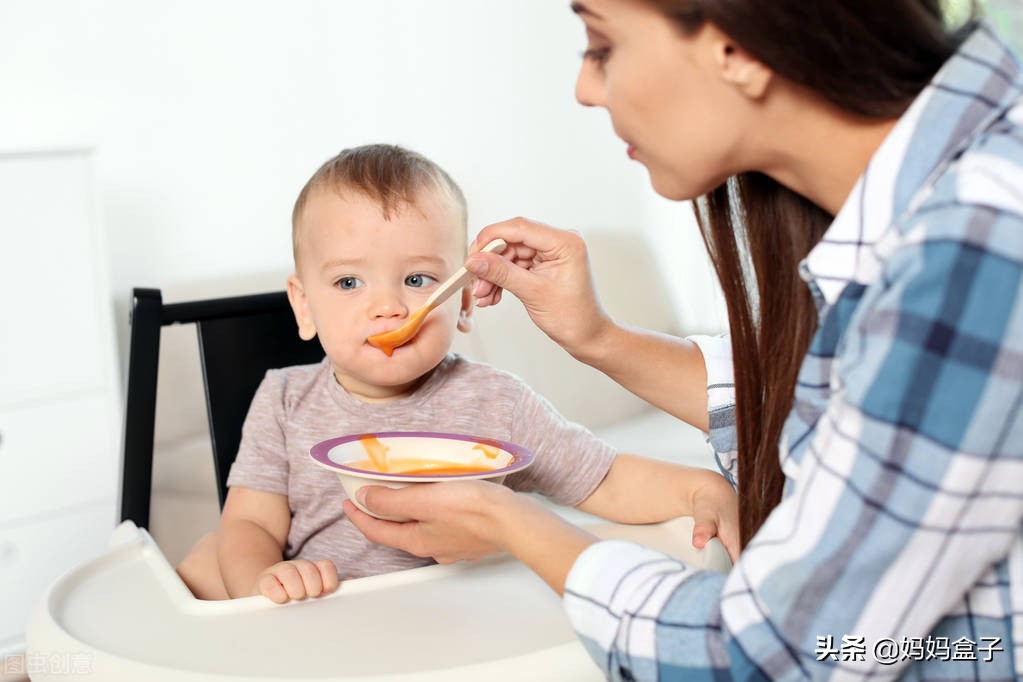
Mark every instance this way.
x=388 y=341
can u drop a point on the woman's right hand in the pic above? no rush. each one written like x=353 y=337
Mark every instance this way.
x=468 y=520
x=549 y=271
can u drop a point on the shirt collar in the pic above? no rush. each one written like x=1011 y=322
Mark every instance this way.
x=974 y=87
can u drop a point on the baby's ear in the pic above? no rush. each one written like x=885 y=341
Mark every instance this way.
x=300 y=307
x=465 y=312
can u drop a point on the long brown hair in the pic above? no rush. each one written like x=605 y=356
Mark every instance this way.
x=867 y=57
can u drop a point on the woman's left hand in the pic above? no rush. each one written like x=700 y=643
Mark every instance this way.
x=715 y=511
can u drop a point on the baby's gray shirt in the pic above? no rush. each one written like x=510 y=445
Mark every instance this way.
x=297 y=407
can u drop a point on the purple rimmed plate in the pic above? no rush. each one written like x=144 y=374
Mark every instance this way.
x=339 y=455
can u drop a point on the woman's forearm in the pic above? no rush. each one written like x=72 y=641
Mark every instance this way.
x=666 y=371
x=540 y=539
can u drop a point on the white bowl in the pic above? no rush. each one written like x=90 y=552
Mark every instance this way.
x=340 y=454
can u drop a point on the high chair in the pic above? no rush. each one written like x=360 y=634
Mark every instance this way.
x=240 y=338
x=126 y=615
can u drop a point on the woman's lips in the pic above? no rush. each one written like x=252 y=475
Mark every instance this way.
x=631 y=151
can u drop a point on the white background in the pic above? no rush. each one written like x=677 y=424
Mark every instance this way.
x=206 y=118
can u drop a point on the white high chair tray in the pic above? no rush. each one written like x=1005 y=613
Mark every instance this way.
x=126 y=615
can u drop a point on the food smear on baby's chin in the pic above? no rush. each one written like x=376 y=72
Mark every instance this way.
x=421 y=467
x=377 y=452
x=489 y=450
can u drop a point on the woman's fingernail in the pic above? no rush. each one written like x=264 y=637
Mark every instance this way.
x=360 y=496
x=477 y=265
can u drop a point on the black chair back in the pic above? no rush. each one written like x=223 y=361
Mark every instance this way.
x=240 y=338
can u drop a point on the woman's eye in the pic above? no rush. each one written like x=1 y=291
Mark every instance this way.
x=419 y=280
x=347 y=283
x=597 y=55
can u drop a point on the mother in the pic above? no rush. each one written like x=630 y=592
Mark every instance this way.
x=860 y=173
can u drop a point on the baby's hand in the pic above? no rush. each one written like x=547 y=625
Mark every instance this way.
x=297 y=579
x=716 y=513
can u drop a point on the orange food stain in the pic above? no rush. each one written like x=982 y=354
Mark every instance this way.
x=489 y=450
x=425 y=467
x=377 y=452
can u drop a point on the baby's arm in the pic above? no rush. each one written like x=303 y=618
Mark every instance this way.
x=253 y=531
x=641 y=490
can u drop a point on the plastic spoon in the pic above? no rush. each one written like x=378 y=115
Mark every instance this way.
x=388 y=341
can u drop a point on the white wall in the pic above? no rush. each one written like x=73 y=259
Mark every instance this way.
x=207 y=117
x=671 y=228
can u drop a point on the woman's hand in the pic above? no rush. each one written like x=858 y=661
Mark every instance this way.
x=642 y=490
x=549 y=271
x=715 y=510
x=468 y=520
x=296 y=579
x=451 y=521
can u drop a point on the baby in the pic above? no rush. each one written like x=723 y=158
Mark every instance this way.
x=374 y=231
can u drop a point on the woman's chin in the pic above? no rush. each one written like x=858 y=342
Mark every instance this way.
x=672 y=190
x=672 y=186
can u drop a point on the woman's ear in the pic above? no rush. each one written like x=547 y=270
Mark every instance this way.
x=465 y=311
x=740 y=69
x=300 y=307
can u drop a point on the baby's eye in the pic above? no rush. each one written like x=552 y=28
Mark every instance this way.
x=348 y=283
x=419 y=280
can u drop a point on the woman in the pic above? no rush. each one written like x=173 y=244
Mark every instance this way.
x=860 y=168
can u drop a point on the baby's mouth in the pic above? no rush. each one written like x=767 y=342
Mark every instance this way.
x=393 y=349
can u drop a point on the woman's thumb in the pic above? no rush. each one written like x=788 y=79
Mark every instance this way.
x=378 y=500
x=499 y=271
x=703 y=531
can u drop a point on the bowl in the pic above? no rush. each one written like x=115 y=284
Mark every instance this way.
x=414 y=457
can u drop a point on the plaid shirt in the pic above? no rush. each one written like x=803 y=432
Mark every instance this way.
x=897 y=549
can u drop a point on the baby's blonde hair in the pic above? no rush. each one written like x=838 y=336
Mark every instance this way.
x=390 y=175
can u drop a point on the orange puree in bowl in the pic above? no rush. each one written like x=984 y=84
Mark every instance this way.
x=425 y=467
x=377 y=452
x=489 y=450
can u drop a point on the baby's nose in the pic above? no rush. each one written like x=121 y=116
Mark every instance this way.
x=387 y=305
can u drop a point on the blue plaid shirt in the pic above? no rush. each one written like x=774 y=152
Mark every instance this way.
x=897 y=550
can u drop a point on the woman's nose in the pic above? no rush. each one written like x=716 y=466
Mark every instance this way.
x=588 y=86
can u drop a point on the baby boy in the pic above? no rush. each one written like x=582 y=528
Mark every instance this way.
x=374 y=231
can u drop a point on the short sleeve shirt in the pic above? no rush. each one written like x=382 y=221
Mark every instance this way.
x=297 y=407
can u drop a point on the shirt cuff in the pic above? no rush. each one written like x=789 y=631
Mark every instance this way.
x=717 y=356
x=617 y=596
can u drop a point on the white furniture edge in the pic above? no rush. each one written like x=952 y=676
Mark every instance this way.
x=133 y=549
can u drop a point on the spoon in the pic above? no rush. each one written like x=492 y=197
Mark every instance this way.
x=388 y=341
